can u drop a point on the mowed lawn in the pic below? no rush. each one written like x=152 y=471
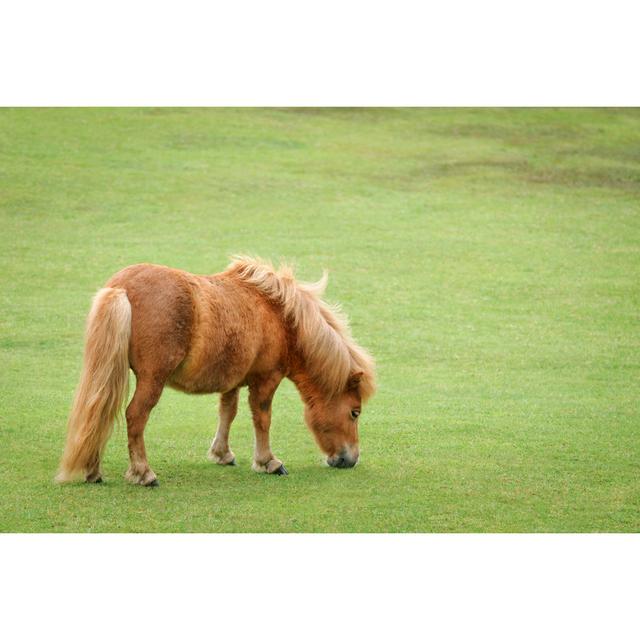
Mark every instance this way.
x=489 y=259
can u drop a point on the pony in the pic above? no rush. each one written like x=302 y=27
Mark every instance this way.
x=251 y=325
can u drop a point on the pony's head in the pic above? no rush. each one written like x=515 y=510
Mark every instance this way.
x=334 y=423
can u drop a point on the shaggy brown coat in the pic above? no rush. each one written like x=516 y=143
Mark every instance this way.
x=250 y=325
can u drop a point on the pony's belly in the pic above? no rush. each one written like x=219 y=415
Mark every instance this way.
x=209 y=381
x=191 y=387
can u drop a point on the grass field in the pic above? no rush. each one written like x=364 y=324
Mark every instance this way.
x=489 y=259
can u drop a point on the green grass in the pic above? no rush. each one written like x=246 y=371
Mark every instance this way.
x=489 y=259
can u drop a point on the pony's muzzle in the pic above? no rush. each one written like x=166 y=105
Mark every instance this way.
x=345 y=459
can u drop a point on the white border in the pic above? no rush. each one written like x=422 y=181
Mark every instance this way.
x=337 y=52
x=312 y=586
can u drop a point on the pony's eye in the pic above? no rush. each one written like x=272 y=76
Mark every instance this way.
x=355 y=413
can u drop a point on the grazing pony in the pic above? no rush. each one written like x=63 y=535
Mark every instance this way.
x=250 y=325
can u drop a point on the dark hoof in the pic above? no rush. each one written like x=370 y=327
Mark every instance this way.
x=153 y=483
x=281 y=471
x=233 y=463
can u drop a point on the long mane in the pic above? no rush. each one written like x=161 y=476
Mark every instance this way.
x=322 y=330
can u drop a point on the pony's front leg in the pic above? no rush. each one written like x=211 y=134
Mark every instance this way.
x=260 y=397
x=219 y=451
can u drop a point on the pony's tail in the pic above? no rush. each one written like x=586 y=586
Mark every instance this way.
x=103 y=387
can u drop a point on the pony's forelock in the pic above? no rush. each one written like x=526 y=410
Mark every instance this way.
x=322 y=330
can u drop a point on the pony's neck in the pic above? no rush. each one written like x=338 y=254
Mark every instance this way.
x=309 y=390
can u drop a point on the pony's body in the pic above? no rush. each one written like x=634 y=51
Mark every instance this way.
x=215 y=333
x=247 y=326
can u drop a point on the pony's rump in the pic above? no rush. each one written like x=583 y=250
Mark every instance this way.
x=103 y=386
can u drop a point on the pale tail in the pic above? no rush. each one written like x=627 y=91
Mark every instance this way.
x=103 y=387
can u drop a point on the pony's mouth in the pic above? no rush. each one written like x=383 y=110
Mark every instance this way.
x=342 y=460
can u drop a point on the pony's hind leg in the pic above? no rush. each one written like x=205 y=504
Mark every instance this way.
x=144 y=399
x=94 y=473
x=219 y=451
x=260 y=397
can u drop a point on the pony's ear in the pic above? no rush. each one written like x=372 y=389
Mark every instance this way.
x=354 y=380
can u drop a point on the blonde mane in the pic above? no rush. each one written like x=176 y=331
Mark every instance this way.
x=322 y=330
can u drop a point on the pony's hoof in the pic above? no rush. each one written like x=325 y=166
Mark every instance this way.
x=274 y=467
x=226 y=459
x=145 y=478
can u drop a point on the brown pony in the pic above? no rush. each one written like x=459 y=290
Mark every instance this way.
x=247 y=326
